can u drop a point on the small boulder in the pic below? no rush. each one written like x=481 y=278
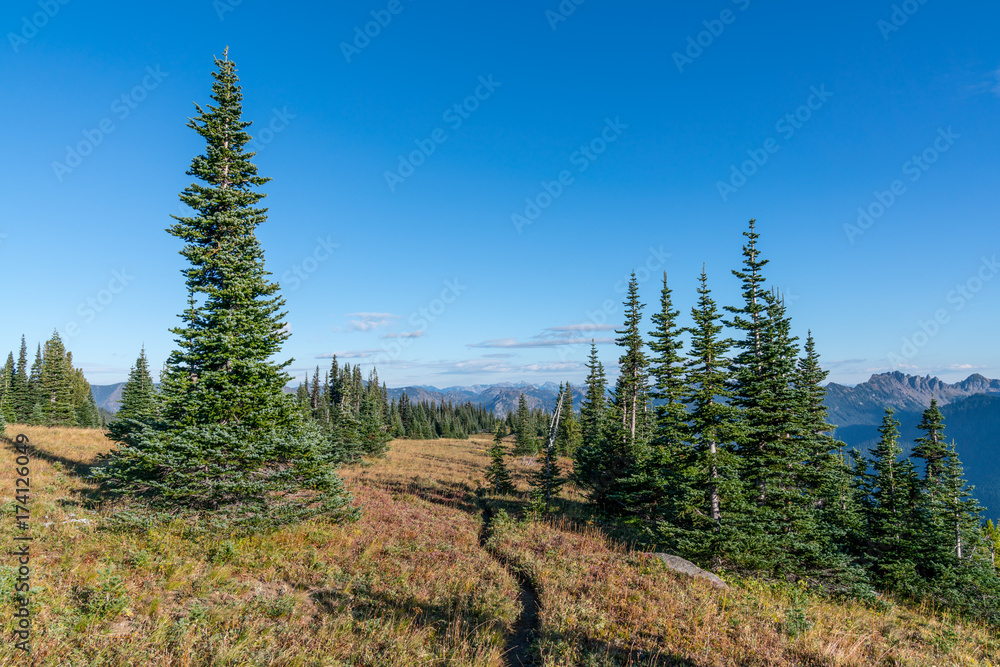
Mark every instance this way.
x=678 y=564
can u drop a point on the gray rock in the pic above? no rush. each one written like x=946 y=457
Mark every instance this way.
x=678 y=564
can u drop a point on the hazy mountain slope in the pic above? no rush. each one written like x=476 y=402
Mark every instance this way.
x=973 y=423
x=865 y=403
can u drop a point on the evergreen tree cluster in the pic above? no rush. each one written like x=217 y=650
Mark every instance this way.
x=360 y=415
x=723 y=454
x=530 y=426
x=51 y=392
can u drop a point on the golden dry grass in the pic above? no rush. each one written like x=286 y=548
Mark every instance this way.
x=409 y=584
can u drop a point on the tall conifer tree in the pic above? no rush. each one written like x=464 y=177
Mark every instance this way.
x=20 y=391
x=140 y=403
x=232 y=445
x=55 y=383
x=714 y=483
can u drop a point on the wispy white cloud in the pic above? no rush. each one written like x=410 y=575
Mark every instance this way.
x=370 y=321
x=577 y=329
x=404 y=334
x=513 y=343
x=351 y=354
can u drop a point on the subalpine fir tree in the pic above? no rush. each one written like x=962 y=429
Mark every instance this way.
x=56 y=384
x=626 y=448
x=631 y=389
x=232 y=446
x=497 y=475
x=35 y=391
x=962 y=511
x=889 y=489
x=8 y=403
x=547 y=481
x=662 y=477
x=713 y=487
x=88 y=415
x=590 y=464
x=140 y=403
x=569 y=426
x=21 y=398
x=825 y=464
x=931 y=447
x=524 y=442
x=770 y=445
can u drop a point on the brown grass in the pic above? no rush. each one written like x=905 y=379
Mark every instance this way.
x=408 y=584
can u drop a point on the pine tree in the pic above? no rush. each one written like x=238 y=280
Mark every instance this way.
x=569 y=427
x=667 y=368
x=55 y=382
x=140 y=403
x=663 y=477
x=34 y=391
x=962 y=511
x=590 y=464
x=497 y=475
x=231 y=445
x=931 y=447
x=524 y=442
x=547 y=481
x=714 y=482
x=8 y=405
x=889 y=490
x=20 y=391
x=631 y=390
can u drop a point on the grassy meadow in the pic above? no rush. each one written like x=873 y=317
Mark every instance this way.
x=418 y=580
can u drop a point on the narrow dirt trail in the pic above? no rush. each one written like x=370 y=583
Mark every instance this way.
x=517 y=652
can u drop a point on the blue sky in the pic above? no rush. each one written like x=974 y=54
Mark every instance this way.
x=455 y=245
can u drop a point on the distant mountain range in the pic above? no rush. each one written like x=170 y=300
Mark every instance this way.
x=500 y=398
x=971 y=409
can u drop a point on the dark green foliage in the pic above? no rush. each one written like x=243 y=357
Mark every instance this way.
x=740 y=469
x=21 y=399
x=889 y=491
x=657 y=483
x=711 y=507
x=53 y=394
x=525 y=441
x=569 y=436
x=8 y=411
x=238 y=478
x=140 y=403
x=630 y=399
x=497 y=475
x=592 y=469
x=231 y=448
x=547 y=481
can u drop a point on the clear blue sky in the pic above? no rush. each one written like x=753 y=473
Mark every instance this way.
x=666 y=99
